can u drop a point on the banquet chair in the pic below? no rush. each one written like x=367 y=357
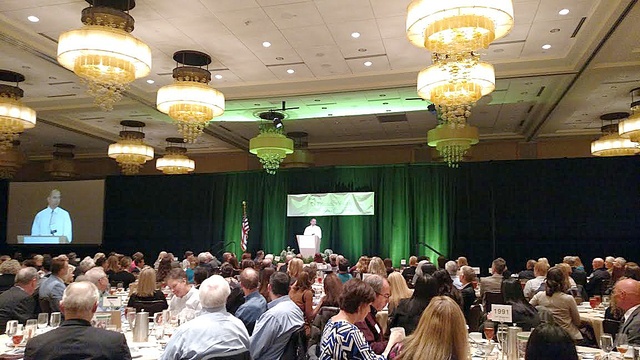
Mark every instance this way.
x=296 y=348
x=610 y=327
x=475 y=316
x=241 y=354
x=491 y=298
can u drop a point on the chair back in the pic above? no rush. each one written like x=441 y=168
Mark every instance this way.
x=296 y=348
x=45 y=307
x=242 y=354
x=611 y=327
x=491 y=298
x=475 y=316
x=150 y=306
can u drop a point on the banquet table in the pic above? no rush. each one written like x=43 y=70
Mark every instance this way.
x=593 y=317
x=150 y=350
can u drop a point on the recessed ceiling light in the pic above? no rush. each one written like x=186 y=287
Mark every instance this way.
x=218 y=76
x=563 y=12
x=266 y=44
x=290 y=71
x=33 y=19
x=150 y=81
x=368 y=63
x=355 y=35
x=546 y=46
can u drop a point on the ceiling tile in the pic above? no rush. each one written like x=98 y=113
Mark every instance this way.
x=340 y=11
x=307 y=37
x=294 y=15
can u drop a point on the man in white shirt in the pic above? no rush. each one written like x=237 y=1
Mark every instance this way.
x=626 y=296
x=313 y=229
x=532 y=286
x=53 y=220
x=185 y=297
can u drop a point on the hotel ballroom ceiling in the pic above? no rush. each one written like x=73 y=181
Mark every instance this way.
x=593 y=62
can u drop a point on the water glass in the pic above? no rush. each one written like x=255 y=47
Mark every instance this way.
x=56 y=317
x=606 y=344
x=158 y=331
x=12 y=328
x=120 y=287
x=43 y=320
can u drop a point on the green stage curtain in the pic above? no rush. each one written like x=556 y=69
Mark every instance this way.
x=204 y=212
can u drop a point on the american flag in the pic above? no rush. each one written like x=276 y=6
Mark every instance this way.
x=245 y=231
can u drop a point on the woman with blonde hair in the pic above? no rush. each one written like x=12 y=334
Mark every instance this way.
x=145 y=296
x=399 y=290
x=376 y=266
x=294 y=269
x=113 y=265
x=441 y=334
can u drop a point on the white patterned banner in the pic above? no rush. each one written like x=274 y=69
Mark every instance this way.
x=330 y=204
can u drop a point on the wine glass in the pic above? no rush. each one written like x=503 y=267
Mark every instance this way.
x=606 y=344
x=489 y=331
x=43 y=320
x=622 y=343
x=131 y=316
x=17 y=337
x=55 y=319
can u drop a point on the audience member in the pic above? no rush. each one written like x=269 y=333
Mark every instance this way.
x=561 y=305
x=493 y=283
x=112 y=265
x=295 y=268
x=410 y=270
x=302 y=295
x=523 y=313
x=198 y=338
x=146 y=296
x=99 y=278
x=462 y=261
x=200 y=274
x=52 y=288
x=532 y=286
x=445 y=286
x=164 y=267
x=399 y=290
x=467 y=277
x=577 y=272
x=76 y=338
x=122 y=276
x=452 y=269
x=236 y=297
x=608 y=263
x=376 y=266
x=369 y=326
x=185 y=297
x=8 y=269
x=528 y=273
x=626 y=296
x=441 y=334
x=343 y=270
x=254 y=304
x=275 y=327
x=388 y=264
x=265 y=276
x=407 y=313
x=632 y=270
x=618 y=269
x=18 y=302
x=341 y=338
x=596 y=281
x=550 y=342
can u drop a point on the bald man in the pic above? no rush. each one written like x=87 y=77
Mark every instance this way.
x=598 y=276
x=626 y=296
x=53 y=220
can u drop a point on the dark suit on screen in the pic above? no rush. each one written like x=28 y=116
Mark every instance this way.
x=76 y=339
x=16 y=304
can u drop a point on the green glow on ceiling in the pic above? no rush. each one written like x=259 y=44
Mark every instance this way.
x=328 y=105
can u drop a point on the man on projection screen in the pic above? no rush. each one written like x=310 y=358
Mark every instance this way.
x=53 y=220
x=313 y=229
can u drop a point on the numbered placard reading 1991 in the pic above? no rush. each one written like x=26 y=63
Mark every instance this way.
x=501 y=313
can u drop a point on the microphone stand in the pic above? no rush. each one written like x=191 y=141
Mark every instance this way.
x=429 y=247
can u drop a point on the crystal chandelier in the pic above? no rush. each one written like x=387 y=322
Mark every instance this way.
x=190 y=101
x=458 y=26
x=62 y=165
x=130 y=151
x=453 y=31
x=11 y=160
x=630 y=127
x=612 y=144
x=103 y=53
x=14 y=116
x=271 y=146
x=175 y=161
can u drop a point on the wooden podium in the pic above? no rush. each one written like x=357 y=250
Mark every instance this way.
x=40 y=240
x=309 y=245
